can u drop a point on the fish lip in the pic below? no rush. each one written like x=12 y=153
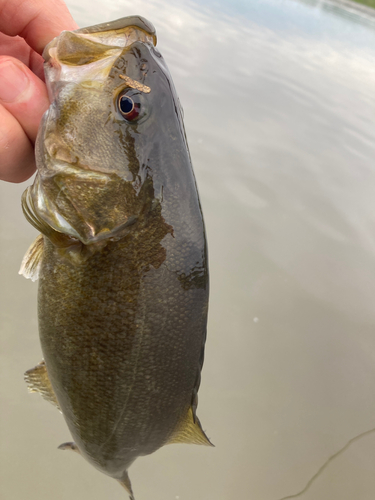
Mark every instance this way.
x=136 y=22
x=56 y=166
x=53 y=166
x=89 y=55
x=129 y=21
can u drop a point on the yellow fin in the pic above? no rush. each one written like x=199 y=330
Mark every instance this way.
x=125 y=483
x=190 y=431
x=38 y=381
x=31 y=262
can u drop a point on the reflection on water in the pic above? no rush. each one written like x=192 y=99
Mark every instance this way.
x=278 y=99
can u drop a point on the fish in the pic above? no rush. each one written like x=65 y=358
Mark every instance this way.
x=121 y=257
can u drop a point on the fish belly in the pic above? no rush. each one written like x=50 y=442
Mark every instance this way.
x=122 y=336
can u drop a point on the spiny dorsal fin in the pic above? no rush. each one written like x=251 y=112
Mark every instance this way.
x=125 y=483
x=190 y=431
x=31 y=262
x=37 y=381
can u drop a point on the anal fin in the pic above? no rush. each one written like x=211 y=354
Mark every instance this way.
x=38 y=381
x=31 y=262
x=190 y=431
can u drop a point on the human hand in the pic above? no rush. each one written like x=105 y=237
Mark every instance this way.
x=23 y=94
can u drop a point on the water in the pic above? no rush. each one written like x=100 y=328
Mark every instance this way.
x=279 y=112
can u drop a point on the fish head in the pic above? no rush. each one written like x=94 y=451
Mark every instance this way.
x=112 y=134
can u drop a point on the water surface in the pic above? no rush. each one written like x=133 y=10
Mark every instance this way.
x=279 y=111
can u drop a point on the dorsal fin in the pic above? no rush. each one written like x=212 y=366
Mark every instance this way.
x=190 y=431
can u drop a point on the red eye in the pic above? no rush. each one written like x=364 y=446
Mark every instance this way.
x=128 y=107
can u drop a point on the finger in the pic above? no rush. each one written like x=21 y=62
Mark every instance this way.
x=16 y=46
x=22 y=94
x=37 y=21
x=17 y=161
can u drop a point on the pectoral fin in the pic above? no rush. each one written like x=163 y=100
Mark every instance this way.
x=69 y=446
x=37 y=381
x=31 y=262
x=190 y=431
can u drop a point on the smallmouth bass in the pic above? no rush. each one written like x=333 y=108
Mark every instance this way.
x=122 y=256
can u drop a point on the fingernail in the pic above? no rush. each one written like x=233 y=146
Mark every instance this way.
x=13 y=81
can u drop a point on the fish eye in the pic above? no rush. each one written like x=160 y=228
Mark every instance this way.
x=129 y=104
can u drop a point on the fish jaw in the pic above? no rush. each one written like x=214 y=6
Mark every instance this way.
x=87 y=54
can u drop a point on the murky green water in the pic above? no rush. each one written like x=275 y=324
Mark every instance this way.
x=279 y=112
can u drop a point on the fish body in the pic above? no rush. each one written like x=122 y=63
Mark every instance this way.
x=122 y=257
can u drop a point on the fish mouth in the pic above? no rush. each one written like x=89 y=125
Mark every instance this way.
x=119 y=33
x=122 y=25
x=87 y=54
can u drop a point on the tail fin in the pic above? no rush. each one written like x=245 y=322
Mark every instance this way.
x=125 y=483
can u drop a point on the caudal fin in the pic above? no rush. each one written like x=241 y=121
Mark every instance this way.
x=125 y=483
